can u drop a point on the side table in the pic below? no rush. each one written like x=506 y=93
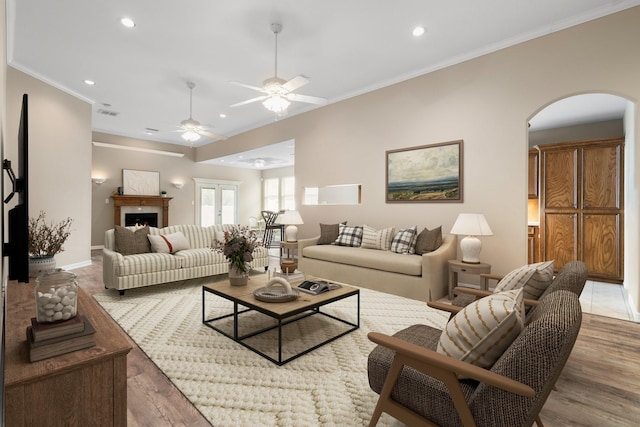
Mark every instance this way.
x=457 y=266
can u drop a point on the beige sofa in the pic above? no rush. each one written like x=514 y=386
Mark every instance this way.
x=124 y=272
x=421 y=277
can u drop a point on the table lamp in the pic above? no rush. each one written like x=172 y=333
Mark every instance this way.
x=290 y=219
x=471 y=225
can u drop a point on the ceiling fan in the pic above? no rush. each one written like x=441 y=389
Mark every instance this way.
x=278 y=92
x=192 y=129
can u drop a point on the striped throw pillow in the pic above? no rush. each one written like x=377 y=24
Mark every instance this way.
x=377 y=239
x=534 y=279
x=484 y=329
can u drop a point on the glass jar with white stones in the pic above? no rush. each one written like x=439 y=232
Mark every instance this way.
x=56 y=295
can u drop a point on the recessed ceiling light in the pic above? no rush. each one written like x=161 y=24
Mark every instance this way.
x=418 y=31
x=127 y=22
x=89 y=82
x=223 y=115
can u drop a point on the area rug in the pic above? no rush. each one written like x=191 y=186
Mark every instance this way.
x=232 y=386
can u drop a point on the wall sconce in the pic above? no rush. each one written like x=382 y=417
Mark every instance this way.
x=98 y=181
x=178 y=185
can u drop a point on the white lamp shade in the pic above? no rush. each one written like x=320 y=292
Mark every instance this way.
x=290 y=219
x=471 y=225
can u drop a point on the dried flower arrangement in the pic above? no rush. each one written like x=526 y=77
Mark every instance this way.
x=46 y=240
x=238 y=246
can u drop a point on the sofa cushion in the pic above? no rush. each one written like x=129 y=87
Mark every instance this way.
x=377 y=239
x=168 y=243
x=366 y=258
x=349 y=235
x=147 y=263
x=534 y=279
x=329 y=233
x=199 y=257
x=129 y=242
x=428 y=240
x=482 y=331
x=404 y=241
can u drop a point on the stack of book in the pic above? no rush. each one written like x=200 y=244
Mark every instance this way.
x=46 y=340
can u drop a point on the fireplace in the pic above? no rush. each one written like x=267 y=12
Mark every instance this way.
x=137 y=205
x=141 y=218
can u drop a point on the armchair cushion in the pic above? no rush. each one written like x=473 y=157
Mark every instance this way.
x=534 y=279
x=481 y=331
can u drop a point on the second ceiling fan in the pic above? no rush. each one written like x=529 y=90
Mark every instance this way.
x=278 y=92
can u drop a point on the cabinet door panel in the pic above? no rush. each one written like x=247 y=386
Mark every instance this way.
x=601 y=244
x=601 y=182
x=560 y=238
x=560 y=179
x=533 y=174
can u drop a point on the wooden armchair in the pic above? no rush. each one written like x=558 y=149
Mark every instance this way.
x=421 y=387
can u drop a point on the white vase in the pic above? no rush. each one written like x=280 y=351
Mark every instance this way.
x=237 y=277
x=41 y=264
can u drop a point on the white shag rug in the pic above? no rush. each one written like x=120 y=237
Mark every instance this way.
x=233 y=386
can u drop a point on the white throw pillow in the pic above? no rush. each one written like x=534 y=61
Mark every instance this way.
x=377 y=239
x=484 y=329
x=534 y=279
x=168 y=243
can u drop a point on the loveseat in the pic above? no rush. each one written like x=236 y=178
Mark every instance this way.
x=191 y=257
x=421 y=277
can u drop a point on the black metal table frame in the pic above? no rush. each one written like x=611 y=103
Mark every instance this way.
x=283 y=320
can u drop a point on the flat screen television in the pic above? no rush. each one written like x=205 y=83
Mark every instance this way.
x=17 y=246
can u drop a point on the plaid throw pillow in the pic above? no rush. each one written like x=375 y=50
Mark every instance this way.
x=404 y=242
x=349 y=236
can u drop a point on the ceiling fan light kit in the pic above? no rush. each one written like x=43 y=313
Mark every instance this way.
x=278 y=93
x=191 y=129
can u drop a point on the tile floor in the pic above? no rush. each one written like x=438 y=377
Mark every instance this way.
x=607 y=299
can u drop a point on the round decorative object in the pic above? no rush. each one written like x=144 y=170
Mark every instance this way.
x=237 y=277
x=288 y=265
x=56 y=294
x=277 y=290
x=41 y=264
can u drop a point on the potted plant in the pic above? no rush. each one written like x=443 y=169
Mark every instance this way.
x=237 y=247
x=163 y=193
x=45 y=241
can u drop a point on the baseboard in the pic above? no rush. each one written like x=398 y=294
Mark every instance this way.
x=93 y=248
x=76 y=265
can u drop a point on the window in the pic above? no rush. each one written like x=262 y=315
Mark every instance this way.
x=279 y=194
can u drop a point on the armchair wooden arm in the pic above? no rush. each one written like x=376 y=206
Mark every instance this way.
x=453 y=309
x=441 y=367
x=485 y=277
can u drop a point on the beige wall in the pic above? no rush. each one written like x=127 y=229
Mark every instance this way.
x=108 y=163
x=59 y=158
x=597 y=130
x=487 y=102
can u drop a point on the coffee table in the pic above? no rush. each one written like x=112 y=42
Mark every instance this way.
x=283 y=313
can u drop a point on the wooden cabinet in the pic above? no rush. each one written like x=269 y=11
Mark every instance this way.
x=83 y=388
x=581 y=208
x=533 y=252
x=533 y=173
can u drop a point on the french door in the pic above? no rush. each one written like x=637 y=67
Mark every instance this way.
x=216 y=202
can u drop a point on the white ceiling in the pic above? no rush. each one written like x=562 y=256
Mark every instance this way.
x=346 y=48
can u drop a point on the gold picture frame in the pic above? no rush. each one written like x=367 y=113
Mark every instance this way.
x=425 y=174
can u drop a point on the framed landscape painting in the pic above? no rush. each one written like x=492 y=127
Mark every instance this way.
x=429 y=173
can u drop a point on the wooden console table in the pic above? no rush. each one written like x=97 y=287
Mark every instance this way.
x=83 y=388
x=159 y=201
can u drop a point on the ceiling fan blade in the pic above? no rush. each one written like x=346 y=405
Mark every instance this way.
x=210 y=134
x=306 y=98
x=295 y=83
x=249 y=101
x=259 y=89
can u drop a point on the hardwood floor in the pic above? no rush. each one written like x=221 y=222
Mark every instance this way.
x=598 y=387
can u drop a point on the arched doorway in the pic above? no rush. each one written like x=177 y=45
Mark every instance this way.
x=577 y=155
